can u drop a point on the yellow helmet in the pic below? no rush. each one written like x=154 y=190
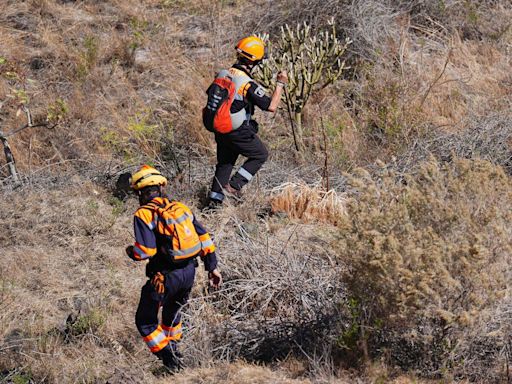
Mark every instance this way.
x=145 y=177
x=251 y=47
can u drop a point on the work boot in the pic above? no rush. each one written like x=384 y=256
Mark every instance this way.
x=232 y=192
x=213 y=206
x=170 y=359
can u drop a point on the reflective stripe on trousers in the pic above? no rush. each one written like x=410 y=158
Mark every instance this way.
x=157 y=340
x=178 y=284
x=245 y=174
x=173 y=333
x=217 y=196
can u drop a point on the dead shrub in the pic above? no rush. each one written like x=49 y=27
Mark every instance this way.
x=308 y=203
x=281 y=297
x=418 y=92
x=487 y=137
x=428 y=260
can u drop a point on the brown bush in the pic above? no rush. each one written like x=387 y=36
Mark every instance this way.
x=68 y=293
x=113 y=62
x=428 y=262
x=308 y=203
x=488 y=137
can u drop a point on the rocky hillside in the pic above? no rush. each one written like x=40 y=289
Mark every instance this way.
x=380 y=253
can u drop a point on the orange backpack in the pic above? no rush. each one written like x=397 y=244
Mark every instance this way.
x=176 y=227
x=216 y=114
x=226 y=88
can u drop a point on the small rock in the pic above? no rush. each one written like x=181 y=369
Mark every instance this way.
x=37 y=63
x=141 y=58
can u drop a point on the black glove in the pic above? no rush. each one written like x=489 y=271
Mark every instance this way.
x=253 y=124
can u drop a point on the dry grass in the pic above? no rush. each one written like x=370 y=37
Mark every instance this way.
x=242 y=373
x=309 y=204
x=235 y=374
x=62 y=262
x=112 y=63
x=425 y=80
x=488 y=137
x=413 y=74
x=109 y=63
x=69 y=298
x=421 y=90
x=429 y=263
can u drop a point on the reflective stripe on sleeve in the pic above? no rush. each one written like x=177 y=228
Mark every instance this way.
x=208 y=247
x=204 y=237
x=146 y=215
x=143 y=252
x=207 y=243
x=152 y=225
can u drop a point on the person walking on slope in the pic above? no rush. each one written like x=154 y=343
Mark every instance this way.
x=169 y=236
x=243 y=139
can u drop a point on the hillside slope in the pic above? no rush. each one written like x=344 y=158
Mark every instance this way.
x=381 y=254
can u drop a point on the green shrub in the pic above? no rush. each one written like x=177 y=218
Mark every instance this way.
x=21 y=378
x=313 y=60
x=57 y=111
x=88 y=56
x=117 y=206
x=427 y=256
x=90 y=322
x=142 y=134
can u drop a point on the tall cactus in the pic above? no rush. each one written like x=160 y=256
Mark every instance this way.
x=313 y=61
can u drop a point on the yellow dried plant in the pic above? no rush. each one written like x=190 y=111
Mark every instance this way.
x=308 y=203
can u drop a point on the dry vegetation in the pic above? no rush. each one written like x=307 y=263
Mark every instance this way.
x=400 y=272
x=429 y=260
x=308 y=203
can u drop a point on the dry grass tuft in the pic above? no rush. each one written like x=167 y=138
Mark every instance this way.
x=487 y=137
x=308 y=203
x=238 y=373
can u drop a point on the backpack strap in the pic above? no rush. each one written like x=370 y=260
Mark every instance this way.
x=241 y=79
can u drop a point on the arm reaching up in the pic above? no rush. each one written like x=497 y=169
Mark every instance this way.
x=282 y=80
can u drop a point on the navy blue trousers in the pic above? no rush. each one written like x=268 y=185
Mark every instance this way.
x=178 y=284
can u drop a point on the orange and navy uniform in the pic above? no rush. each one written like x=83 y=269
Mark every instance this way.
x=146 y=228
x=179 y=278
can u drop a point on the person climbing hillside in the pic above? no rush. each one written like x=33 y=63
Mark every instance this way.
x=237 y=133
x=170 y=237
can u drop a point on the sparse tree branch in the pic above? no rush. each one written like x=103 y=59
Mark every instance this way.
x=9 y=157
x=438 y=77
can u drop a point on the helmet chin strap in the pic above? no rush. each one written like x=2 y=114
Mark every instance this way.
x=249 y=65
x=145 y=198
